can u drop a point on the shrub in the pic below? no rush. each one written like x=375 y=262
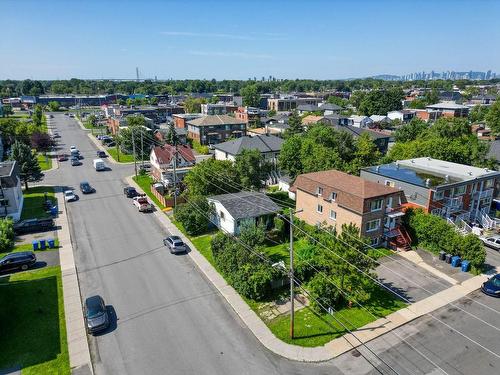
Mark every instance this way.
x=6 y=235
x=254 y=280
x=323 y=293
x=194 y=215
x=471 y=248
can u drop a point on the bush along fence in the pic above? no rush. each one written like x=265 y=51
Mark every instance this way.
x=166 y=201
x=434 y=234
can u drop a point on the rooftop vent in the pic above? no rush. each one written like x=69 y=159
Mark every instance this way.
x=447 y=178
x=427 y=181
x=377 y=168
x=469 y=173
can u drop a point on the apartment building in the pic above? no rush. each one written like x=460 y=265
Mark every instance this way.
x=336 y=198
x=450 y=190
x=215 y=129
x=449 y=109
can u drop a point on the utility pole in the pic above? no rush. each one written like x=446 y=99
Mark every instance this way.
x=133 y=150
x=142 y=149
x=175 y=178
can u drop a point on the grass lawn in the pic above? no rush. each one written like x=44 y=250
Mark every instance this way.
x=144 y=183
x=33 y=202
x=44 y=162
x=282 y=251
x=312 y=329
x=202 y=243
x=124 y=158
x=33 y=326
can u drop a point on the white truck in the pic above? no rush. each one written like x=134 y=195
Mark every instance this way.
x=142 y=203
x=99 y=165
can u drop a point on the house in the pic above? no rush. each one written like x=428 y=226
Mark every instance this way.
x=427 y=115
x=360 y=121
x=162 y=133
x=313 y=119
x=380 y=139
x=449 y=109
x=162 y=162
x=234 y=211
x=284 y=184
x=306 y=108
x=380 y=120
x=483 y=99
x=214 y=129
x=269 y=147
x=289 y=103
x=11 y=194
x=450 y=190
x=330 y=109
x=181 y=119
x=404 y=115
x=249 y=114
x=335 y=198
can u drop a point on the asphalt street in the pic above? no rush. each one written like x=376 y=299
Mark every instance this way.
x=170 y=320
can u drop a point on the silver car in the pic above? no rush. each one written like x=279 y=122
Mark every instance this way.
x=492 y=241
x=175 y=244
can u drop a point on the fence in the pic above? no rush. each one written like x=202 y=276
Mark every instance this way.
x=166 y=201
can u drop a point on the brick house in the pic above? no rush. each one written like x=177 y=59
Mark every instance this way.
x=336 y=198
x=181 y=119
x=449 y=109
x=215 y=129
x=162 y=162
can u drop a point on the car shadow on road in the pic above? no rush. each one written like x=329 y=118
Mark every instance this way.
x=39 y=264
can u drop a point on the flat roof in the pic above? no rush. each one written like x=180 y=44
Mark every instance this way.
x=428 y=172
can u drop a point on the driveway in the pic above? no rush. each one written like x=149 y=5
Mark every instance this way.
x=408 y=279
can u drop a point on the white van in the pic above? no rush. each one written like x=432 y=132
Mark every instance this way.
x=99 y=165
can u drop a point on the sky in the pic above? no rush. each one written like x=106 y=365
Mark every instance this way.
x=244 y=39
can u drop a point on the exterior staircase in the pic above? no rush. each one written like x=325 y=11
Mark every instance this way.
x=401 y=240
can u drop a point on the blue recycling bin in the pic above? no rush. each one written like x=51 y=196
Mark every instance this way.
x=35 y=245
x=465 y=266
x=51 y=243
x=43 y=244
x=455 y=261
x=53 y=210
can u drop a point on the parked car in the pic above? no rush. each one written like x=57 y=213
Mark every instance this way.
x=142 y=203
x=492 y=241
x=56 y=135
x=62 y=157
x=146 y=167
x=96 y=315
x=17 y=261
x=86 y=188
x=73 y=148
x=33 y=225
x=69 y=196
x=130 y=192
x=101 y=154
x=75 y=161
x=492 y=286
x=174 y=244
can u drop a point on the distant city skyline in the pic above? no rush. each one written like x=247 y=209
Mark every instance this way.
x=235 y=40
x=448 y=74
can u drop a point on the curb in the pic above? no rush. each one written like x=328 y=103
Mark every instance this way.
x=78 y=347
x=335 y=347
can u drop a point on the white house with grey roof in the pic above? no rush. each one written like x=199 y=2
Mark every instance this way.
x=234 y=211
x=268 y=145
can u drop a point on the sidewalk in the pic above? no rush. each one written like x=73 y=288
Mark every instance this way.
x=335 y=347
x=79 y=354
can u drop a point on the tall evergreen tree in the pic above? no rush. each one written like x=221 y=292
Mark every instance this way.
x=172 y=137
x=28 y=163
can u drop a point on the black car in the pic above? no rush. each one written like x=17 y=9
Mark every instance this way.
x=101 y=154
x=75 y=161
x=96 y=315
x=492 y=286
x=33 y=225
x=130 y=192
x=17 y=261
x=86 y=188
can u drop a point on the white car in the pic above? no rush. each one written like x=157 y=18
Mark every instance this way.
x=69 y=196
x=73 y=148
x=492 y=241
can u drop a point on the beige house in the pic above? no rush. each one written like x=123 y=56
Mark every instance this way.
x=336 y=198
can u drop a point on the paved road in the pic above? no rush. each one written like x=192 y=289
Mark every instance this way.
x=172 y=321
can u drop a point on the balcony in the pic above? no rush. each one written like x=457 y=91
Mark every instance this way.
x=483 y=194
x=453 y=204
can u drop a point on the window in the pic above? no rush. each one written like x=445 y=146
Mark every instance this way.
x=460 y=190
x=333 y=197
x=319 y=191
x=222 y=216
x=489 y=184
x=389 y=202
x=374 y=241
x=438 y=195
x=389 y=183
x=319 y=209
x=333 y=215
x=372 y=225
x=376 y=205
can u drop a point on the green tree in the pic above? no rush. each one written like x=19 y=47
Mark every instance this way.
x=251 y=96
x=138 y=136
x=431 y=97
x=379 y=102
x=136 y=120
x=27 y=160
x=6 y=235
x=212 y=177
x=493 y=117
x=366 y=154
x=172 y=137
x=478 y=113
x=7 y=111
x=289 y=158
x=252 y=169
x=410 y=131
x=195 y=215
x=193 y=105
x=37 y=115
x=294 y=125
x=53 y=106
x=341 y=102
x=92 y=120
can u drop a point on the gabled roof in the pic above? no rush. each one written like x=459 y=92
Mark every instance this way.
x=246 y=204
x=330 y=107
x=262 y=143
x=359 y=118
x=308 y=107
x=211 y=120
x=447 y=105
x=165 y=153
x=378 y=118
